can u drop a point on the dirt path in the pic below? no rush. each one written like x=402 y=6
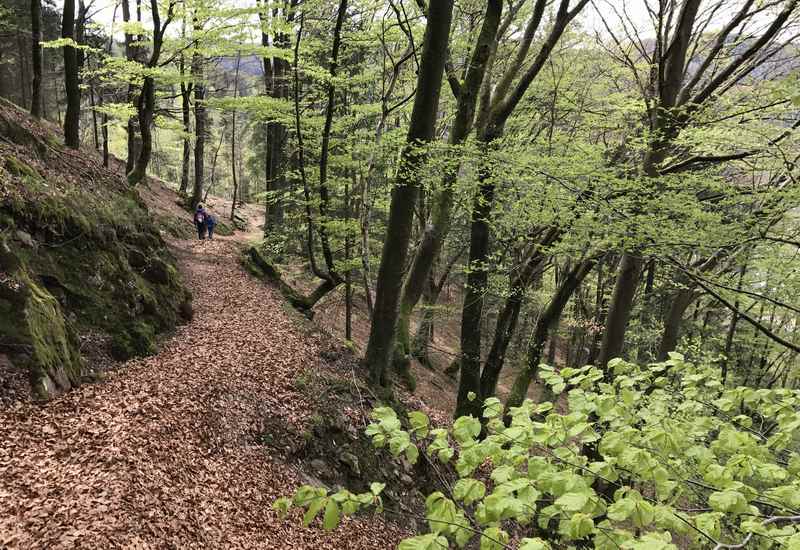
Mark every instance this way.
x=164 y=452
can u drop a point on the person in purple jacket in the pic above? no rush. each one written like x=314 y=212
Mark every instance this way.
x=200 y=221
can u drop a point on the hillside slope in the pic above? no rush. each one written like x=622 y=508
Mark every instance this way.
x=80 y=259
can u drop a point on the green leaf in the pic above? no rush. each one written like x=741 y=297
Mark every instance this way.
x=466 y=429
x=494 y=538
x=621 y=510
x=282 y=506
x=534 y=544
x=424 y=542
x=578 y=526
x=492 y=408
x=471 y=396
x=572 y=502
x=331 y=519
x=376 y=488
x=412 y=453
x=469 y=490
x=419 y=423
x=313 y=509
x=729 y=501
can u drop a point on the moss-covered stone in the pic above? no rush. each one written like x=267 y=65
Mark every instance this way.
x=138 y=340
x=32 y=325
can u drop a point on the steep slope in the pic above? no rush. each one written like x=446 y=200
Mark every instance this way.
x=79 y=255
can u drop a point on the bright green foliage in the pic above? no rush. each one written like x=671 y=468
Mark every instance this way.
x=700 y=462
x=317 y=499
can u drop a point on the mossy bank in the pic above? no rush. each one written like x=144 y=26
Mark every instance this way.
x=79 y=252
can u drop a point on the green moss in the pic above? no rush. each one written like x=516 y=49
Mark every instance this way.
x=138 y=340
x=33 y=321
x=223 y=229
x=20 y=169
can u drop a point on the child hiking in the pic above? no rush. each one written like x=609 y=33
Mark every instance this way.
x=211 y=223
x=200 y=221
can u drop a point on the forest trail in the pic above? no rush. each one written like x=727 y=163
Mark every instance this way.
x=164 y=452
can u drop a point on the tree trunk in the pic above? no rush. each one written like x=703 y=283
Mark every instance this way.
x=186 y=108
x=324 y=198
x=491 y=122
x=404 y=194
x=233 y=137
x=199 y=128
x=146 y=109
x=72 y=117
x=147 y=97
x=547 y=320
x=681 y=301
x=36 y=49
x=131 y=96
x=732 y=328
x=619 y=312
x=436 y=232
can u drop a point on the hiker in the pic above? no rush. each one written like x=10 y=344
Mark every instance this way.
x=211 y=223
x=200 y=220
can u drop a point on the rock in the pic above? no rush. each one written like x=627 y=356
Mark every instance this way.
x=136 y=258
x=25 y=238
x=157 y=272
x=320 y=467
x=186 y=310
x=350 y=460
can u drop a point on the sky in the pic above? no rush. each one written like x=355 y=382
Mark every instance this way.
x=103 y=11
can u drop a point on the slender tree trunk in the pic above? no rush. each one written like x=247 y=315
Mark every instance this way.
x=71 y=80
x=186 y=109
x=491 y=124
x=732 y=328
x=547 y=320
x=199 y=128
x=147 y=97
x=404 y=194
x=36 y=49
x=131 y=96
x=23 y=68
x=324 y=198
x=95 y=133
x=233 y=137
x=348 y=274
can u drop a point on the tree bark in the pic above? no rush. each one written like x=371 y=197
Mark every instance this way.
x=619 y=311
x=131 y=97
x=36 y=50
x=547 y=320
x=404 y=194
x=71 y=79
x=681 y=301
x=324 y=194
x=199 y=128
x=491 y=127
x=436 y=231
x=233 y=137
x=186 y=91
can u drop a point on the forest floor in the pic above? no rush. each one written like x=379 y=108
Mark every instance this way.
x=164 y=452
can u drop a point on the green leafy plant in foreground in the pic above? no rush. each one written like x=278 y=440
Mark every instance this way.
x=661 y=457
